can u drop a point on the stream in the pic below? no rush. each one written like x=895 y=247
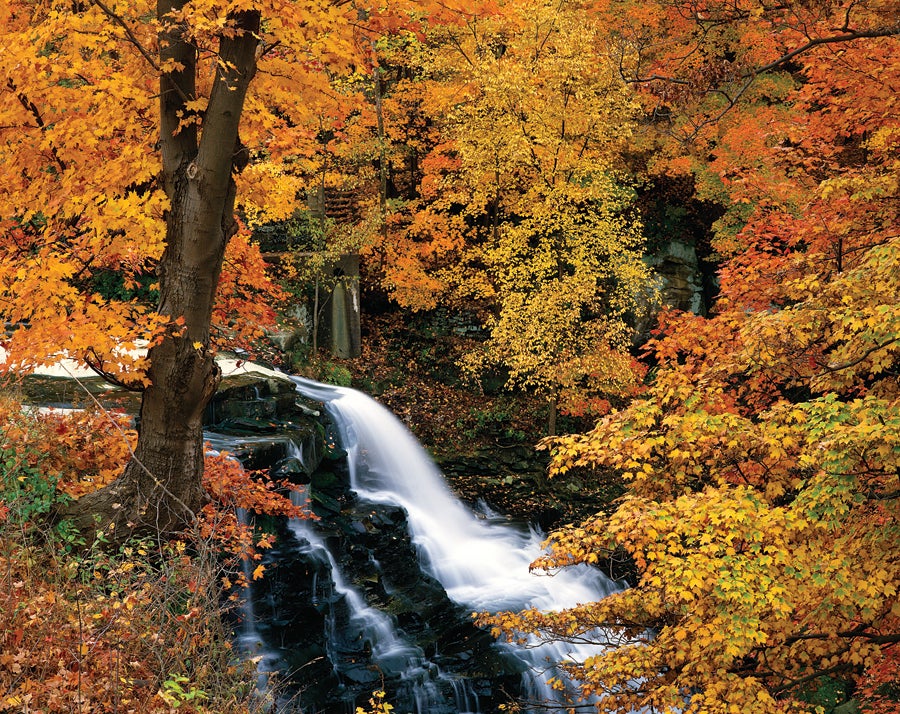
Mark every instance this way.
x=378 y=591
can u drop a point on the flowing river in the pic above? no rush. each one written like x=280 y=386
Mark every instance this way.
x=469 y=561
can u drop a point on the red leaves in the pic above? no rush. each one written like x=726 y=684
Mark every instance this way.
x=880 y=681
x=231 y=487
x=84 y=449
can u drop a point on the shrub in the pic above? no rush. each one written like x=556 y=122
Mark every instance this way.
x=88 y=629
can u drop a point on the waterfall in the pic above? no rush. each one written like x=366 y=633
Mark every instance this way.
x=248 y=640
x=391 y=654
x=367 y=624
x=482 y=563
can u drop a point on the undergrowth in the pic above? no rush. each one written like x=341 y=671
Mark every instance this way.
x=86 y=628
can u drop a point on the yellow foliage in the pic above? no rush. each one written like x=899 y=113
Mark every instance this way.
x=761 y=465
x=523 y=203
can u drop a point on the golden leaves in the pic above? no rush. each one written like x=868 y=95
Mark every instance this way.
x=762 y=471
x=531 y=152
x=79 y=196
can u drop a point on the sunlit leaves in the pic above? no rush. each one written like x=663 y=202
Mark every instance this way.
x=762 y=461
x=521 y=208
x=79 y=161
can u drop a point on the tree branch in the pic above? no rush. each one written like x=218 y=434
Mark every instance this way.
x=93 y=361
x=861 y=358
x=889 y=31
x=117 y=19
x=178 y=144
x=749 y=76
x=31 y=107
x=860 y=632
x=792 y=683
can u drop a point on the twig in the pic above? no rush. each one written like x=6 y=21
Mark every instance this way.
x=137 y=44
x=31 y=107
x=129 y=34
x=100 y=372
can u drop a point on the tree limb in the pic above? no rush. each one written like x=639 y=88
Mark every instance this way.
x=93 y=361
x=31 y=107
x=117 y=19
x=889 y=31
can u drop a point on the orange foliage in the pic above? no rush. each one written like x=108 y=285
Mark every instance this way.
x=136 y=630
x=84 y=629
x=246 y=296
x=80 y=172
x=231 y=487
x=880 y=687
x=87 y=449
x=108 y=642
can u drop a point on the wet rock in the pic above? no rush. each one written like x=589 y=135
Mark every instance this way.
x=326 y=480
x=308 y=622
x=362 y=674
x=255 y=396
x=290 y=468
x=322 y=504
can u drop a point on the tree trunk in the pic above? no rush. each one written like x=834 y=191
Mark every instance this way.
x=161 y=488
x=552 y=408
x=382 y=155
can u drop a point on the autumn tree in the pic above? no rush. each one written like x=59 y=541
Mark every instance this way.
x=523 y=206
x=121 y=150
x=761 y=465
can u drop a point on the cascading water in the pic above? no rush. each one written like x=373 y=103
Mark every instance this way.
x=248 y=640
x=481 y=563
x=391 y=654
x=362 y=648
x=366 y=624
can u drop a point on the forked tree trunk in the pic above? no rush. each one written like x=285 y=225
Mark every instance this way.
x=161 y=488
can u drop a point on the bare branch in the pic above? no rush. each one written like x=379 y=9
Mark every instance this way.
x=128 y=33
x=843 y=35
x=850 y=36
x=93 y=361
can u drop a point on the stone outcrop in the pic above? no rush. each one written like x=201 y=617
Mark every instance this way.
x=681 y=282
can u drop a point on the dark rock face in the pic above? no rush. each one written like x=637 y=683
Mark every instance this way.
x=507 y=478
x=679 y=268
x=326 y=666
x=266 y=424
x=252 y=402
x=310 y=626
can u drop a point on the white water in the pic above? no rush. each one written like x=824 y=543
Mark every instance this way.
x=483 y=564
x=360 y=627
x=248 y=639
x=371 y=627
x=368 y=624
